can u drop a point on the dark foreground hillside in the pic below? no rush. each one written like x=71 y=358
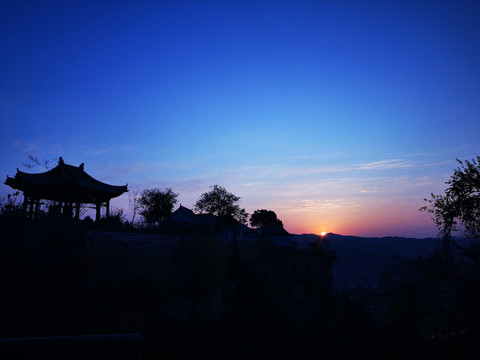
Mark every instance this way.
x=202 y=299
x=360 y=260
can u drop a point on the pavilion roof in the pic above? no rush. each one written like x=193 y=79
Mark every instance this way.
x=65 y=183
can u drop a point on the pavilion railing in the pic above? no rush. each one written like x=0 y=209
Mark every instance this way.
x=122 y=239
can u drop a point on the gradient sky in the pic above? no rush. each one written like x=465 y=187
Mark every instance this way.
x=340 y=116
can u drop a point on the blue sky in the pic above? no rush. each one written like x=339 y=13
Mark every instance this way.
x=338 y=115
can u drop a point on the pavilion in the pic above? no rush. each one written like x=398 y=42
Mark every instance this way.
x=67 y=186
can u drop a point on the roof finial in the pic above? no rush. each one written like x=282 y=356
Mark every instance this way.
x=60 y=161
x=81 y=167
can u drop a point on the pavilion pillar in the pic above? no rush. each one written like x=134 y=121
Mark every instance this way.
x=30 y=209
x=24 y=205
x=77 y=211
x=107 y=209
x=37 y=208
x=98 y=206
x=68 y=210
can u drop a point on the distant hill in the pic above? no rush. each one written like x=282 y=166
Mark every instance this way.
x=305 y=241
x=361 y=259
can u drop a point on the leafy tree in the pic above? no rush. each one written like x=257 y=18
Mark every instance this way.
x=116 y=221
x=156 y=204
x=10 y=205
x=458 y=210
x=264 y=217
x=220 y=202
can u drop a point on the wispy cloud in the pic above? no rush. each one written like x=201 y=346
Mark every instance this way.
x=24 y=146
x=317 y=204
x=385 y=164
x=129 y=148
x=97 y=152
x=440 y=163
x=254 y=183
x=424 y=180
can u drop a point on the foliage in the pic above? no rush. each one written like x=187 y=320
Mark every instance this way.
x=458 y=210
x=264 y=217
x=116 y=221
x=10 y=206
x=156 y=204
x=220 y=202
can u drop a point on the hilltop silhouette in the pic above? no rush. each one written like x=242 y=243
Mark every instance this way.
x=360 y=260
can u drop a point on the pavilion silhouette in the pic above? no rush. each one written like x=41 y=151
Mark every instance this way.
x=67 y=186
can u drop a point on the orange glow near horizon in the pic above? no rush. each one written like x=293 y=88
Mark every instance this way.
x=386 y=220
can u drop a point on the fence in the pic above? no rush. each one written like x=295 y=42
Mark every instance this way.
x=81 y=347
x=117 y=239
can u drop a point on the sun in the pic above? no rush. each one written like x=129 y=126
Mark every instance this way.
x=323 y=233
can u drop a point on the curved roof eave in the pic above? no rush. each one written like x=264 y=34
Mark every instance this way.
x=64 y=179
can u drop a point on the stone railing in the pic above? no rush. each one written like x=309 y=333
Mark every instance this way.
x=120 y=239
x=92 y=347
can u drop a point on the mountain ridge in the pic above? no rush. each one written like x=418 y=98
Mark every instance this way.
x=360 y=260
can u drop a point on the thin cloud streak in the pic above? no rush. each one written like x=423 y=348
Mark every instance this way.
x=385 y=164
x=24 y=146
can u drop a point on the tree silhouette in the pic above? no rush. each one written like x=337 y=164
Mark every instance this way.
x=458 y=210
x=156 y=204
x=264 y=217
x=10 y=205
x=220 y=202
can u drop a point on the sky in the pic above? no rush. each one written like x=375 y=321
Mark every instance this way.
x=340 y=116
